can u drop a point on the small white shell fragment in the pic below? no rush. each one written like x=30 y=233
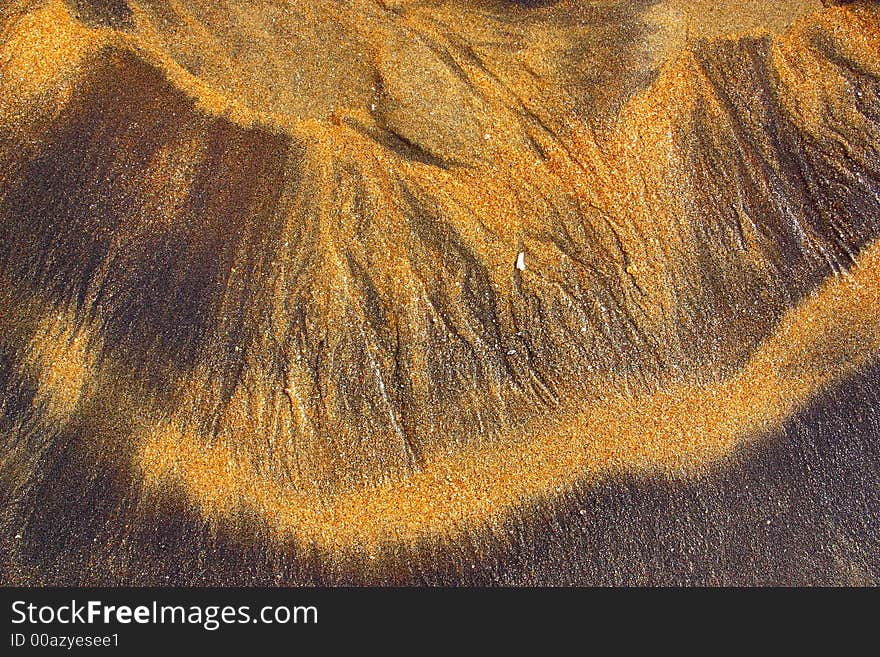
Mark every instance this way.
x=521 y=261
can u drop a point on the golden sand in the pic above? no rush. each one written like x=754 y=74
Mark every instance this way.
x=674 y=433
x=503 y=142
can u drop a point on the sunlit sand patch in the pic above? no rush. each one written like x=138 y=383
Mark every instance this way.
x=680 y=24
x=61 y=358
x=41 y=55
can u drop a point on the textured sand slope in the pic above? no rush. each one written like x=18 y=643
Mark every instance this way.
x=368 y=284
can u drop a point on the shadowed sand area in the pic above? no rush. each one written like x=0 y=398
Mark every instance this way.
x=391 y=291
